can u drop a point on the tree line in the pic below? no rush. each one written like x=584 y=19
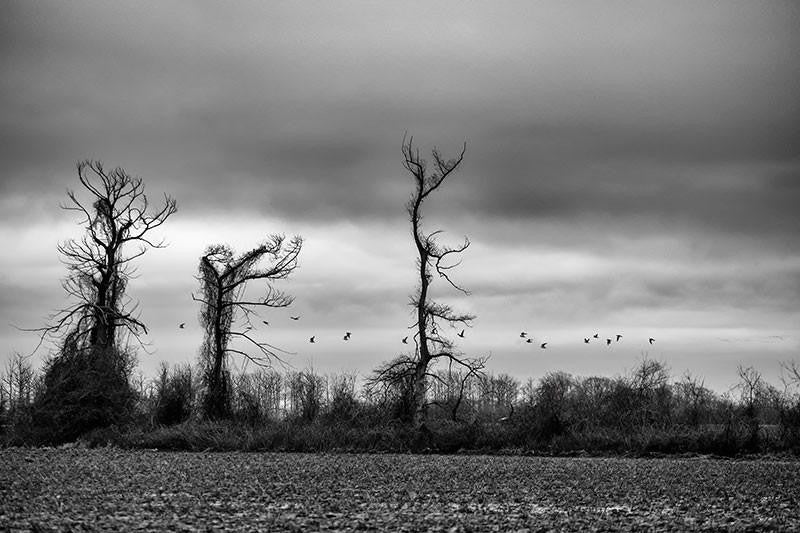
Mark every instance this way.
x=646 y=410
x=88 y=382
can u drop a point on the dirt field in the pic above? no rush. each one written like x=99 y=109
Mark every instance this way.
x=58 y=489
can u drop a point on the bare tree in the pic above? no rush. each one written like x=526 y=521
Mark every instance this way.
x=790 y=374
x=453 y=389
x=409 y=373
x=18 y=385
x=306 y=390
x=752 y=390
x=116 y=217
x=693 y=399
x=751 y=386
x=227 y=311
x=86 y=382
x=652 y=395
x=554 y=395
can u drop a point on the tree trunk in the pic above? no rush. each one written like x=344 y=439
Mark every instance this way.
x=418 y=393
x=216 y=386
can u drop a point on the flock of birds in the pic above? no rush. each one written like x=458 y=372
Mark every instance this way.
x=522 y=335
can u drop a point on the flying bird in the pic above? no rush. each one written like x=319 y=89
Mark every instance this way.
x=586 y=341
x=523 y=335
x=346 y=338
x=529 y=341
x=265 y=322
x=596 y=335
x=461 y=334
x=618 y=337
x=652 y=340
x=311 y=340
x=544 y=345
x=405 y=340
x=182 y=325
x=608 y=342
x=295 y=317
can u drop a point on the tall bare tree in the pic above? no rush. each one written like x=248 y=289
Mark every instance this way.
x=118 y=220
x=227 y=311
x=410 y=373
x=86 y=382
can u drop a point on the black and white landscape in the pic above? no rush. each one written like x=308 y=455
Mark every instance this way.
x=535 y=228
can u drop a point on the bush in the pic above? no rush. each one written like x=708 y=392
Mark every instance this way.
x=174 y=395
x=83 y=389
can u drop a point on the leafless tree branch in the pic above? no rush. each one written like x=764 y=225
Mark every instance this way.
x=116 y=213
x=224 y=278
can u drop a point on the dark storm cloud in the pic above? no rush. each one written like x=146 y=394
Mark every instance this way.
x=761 y=202
x=786 y=181
x=225 y=108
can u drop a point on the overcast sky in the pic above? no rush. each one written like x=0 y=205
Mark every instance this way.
x=631 y=168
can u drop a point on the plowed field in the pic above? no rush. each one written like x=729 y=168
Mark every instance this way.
x=77 y=489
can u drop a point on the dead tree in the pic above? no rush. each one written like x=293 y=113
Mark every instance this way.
x=86 y=382
x=116 y=217
x=226 y=310
x=408 y=374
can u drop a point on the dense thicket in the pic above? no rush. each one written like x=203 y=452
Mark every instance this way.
x=644 y=411
x=83 y=390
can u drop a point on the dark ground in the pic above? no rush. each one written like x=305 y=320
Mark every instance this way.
x=76 y=489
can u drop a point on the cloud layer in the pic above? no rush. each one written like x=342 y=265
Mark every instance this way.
x=627 y=165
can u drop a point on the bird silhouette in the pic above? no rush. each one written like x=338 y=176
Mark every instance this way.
x=405 y=340
x=182 y=325
x=461 y=334
x=265 y=322
x=544 y=345
x=346 y=338
x=651 y=340
x=586 y=341
x=529 y=341
x=295 y=317
x=596 y=335
x=523 y=335
x=311 y=340
x=608 y=342
x=618 y=337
